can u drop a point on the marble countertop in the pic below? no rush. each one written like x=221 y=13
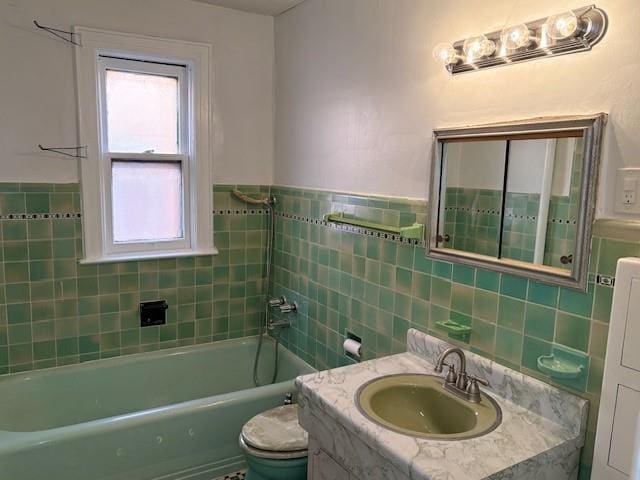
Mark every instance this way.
x=537 y=417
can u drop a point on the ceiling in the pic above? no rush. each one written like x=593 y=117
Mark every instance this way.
x=263 y=7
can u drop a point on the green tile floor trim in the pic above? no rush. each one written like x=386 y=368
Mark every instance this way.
x=377 y=289
x=54 y=311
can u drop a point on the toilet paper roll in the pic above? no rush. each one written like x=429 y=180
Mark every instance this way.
x=352 y=347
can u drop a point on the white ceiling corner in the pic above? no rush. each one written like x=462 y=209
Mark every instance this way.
x=262 y=7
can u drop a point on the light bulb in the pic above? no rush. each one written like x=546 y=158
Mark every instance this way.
x=445 y=53
x=562 y=25
x=515 y=37
x=478 y=46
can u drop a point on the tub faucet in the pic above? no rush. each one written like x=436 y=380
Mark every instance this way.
x=273 y=324
x=277 y=302
x=287 y=307
x=460 y=384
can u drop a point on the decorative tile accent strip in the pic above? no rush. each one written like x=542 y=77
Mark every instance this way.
x=241 y=212
x=38 y=216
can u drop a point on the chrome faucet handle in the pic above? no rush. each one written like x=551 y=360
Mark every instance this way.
x=473 y=391
x=276 y=302
x=479 y=380
x=452 y=376
x=289 y=307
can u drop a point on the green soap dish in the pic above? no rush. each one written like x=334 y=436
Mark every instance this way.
x=454 y=328
x=564 y=363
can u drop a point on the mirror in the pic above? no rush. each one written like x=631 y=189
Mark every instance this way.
x=517 y=197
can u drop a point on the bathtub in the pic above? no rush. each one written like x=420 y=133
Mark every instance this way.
x=167 y=415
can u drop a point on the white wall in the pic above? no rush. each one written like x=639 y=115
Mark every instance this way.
x=37 y=91
x=358 y=92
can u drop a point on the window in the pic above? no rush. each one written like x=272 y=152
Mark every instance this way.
x=146 y=184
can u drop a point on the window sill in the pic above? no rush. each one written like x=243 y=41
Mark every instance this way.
x=132 y=257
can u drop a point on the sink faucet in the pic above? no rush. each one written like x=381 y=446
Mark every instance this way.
x=460 y=384
x=443 y=356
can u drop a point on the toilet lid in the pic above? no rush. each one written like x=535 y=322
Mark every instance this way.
x=276 y=430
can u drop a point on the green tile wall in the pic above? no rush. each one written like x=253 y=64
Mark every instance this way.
x=54 y=311
x=378 y=288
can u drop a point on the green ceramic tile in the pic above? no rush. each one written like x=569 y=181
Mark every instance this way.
x=16 y=272
x=483 y=336
x=442 y=269
x=543 y=294
x=572 y=331
x=576 y=302
x=514 y=286
x=12 y=203
x=540 y=322
x=602 y=303
x=462 y=298
x=532 y=349
x=17 y=292
x=440 y=292
x=508 y=345
x=485 y=305
x=487 y=280
x=421 y=286
x=598 y=339
x=14 y=230
x=404 y=280
x=463 y=274
x=511 y=313
x=15 y=251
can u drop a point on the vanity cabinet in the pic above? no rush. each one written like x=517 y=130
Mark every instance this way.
x=323 y=467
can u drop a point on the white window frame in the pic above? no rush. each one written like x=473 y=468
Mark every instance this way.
x=101 y=49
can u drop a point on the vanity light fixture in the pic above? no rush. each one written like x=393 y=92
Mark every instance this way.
x=515 y=37
x=562 y=25
x=560 y=34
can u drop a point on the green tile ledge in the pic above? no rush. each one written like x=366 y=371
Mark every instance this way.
x=414 y=232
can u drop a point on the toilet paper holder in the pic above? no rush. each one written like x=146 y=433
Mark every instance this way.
x=353 y=347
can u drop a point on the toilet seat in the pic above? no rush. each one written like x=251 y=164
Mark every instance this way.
x=271 y=455
x=275 y=434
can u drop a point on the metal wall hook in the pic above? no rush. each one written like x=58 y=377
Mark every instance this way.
x=80 y=152
x=61 y=34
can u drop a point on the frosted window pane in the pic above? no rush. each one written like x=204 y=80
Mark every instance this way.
x=142 y=112
x=147 y=201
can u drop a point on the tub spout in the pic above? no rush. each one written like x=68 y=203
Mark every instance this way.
x=273 y=324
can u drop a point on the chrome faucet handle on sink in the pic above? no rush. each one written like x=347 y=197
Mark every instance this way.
x=473 y=390
x=461 y=384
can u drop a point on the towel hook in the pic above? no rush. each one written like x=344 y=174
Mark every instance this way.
x=62 y=34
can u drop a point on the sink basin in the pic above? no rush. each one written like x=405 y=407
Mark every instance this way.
x=418 y=405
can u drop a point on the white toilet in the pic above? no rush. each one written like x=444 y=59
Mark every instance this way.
x=275 y=445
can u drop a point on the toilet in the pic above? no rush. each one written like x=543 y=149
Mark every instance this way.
x=275 y=445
